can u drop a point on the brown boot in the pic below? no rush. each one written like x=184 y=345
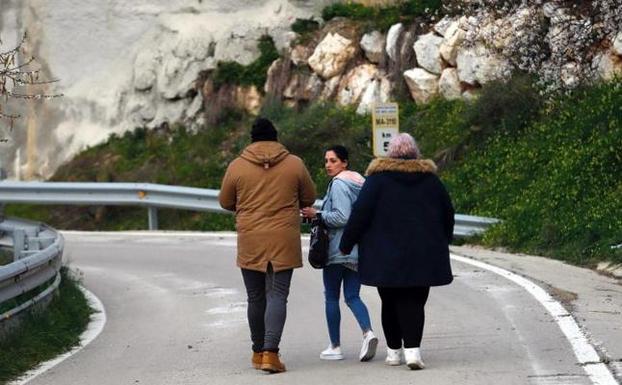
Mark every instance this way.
x=271 y=363
x=256 y=360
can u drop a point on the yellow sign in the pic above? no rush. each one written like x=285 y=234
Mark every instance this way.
x=385 y=125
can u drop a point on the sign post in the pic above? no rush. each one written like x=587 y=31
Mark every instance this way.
x=385 y=125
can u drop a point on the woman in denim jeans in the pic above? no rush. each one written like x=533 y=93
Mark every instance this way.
x=342 y=192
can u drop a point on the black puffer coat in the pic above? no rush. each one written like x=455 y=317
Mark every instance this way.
x=403 y=222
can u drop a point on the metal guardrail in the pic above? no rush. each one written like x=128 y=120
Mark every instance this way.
x=154 y=196
x=470 y=225
x=37 y=251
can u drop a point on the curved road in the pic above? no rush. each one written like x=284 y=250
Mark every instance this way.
x=175 y=306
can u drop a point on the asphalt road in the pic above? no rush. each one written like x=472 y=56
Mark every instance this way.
x=175 y=307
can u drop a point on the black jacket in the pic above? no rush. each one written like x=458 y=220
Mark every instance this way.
x=403 y=222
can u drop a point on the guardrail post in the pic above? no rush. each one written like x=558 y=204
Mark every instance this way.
x=153 y=217
x=19 y=243
x=32 y=238
x=2 y=177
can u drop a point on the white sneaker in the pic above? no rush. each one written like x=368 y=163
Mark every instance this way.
x=331 y=353
x=394 y=357
x=413 y=358
x=368 y=349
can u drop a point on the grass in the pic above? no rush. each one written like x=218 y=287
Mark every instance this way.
x=46 y=334
x=6 y=256
x=382 y=18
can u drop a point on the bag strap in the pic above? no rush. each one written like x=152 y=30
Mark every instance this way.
x=330 y=186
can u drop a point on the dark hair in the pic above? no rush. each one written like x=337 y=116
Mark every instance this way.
x=263 y=130
x=340 y=151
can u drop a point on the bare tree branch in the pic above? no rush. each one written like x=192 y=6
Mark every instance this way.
x=15 y=77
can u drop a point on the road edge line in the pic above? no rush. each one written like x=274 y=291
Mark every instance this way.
x=586 y=354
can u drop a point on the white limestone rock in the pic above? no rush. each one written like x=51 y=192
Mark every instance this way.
x=354 y=83
x=549 y=9
x=571 y=75
x=478 y=65
x=169 y=112
x=378 y=91
x=145 y=70
x=249 y=99
x=449 y=84
x=300 y=54
x=451 y=44
x=443 y=25
x=176 y=77
x=192 y=47
x=140 y=108
x=372 y=44
x=195 y=107
x=607 y=65
x=423 y=85
x=303 y=87
x=452 y=29
x=427 y=49
x=617 y=44
x=332 y=55
x=283 y=38
x=312 y=87
x=392 y=37
x=330 y=88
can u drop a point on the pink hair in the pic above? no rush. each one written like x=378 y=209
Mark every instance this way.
x=403 y=146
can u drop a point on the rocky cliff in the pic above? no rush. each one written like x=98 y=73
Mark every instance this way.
x=126 y=64
x=152 y=63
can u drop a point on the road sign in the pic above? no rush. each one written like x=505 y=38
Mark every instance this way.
x=385 y=125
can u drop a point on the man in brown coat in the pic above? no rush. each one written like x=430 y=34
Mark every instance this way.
x=266 y=186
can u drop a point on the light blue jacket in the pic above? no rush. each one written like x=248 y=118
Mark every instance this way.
x=341 y=195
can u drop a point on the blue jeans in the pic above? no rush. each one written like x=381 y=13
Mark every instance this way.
x=333 y=276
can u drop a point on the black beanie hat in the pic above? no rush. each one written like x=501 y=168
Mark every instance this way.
x=263 y=130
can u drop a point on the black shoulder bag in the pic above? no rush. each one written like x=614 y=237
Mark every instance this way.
x=318 y=244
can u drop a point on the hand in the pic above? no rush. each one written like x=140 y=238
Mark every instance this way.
x=308 y=212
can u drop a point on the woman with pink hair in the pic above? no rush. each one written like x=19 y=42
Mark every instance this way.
x=403 y=223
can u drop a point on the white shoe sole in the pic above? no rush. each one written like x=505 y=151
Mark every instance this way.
x=371 y=350
x=331 y=357
x=417 y=365
x=393 y=363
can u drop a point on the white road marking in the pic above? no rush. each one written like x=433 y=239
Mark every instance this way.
x=96 y=325
x=236 y=307
x=586 y=354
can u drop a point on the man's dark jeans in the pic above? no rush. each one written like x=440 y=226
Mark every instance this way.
x=267 y=306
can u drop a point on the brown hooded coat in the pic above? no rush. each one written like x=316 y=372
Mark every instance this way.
x=266 y=186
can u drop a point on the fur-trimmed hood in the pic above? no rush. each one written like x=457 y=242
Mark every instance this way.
x=401 y=165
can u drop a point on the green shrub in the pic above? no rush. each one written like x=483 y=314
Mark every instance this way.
x=305 y=26
x=305 y=29
x=382 y=18
x=556 y=185
x=446 y=129
x=233 y=73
